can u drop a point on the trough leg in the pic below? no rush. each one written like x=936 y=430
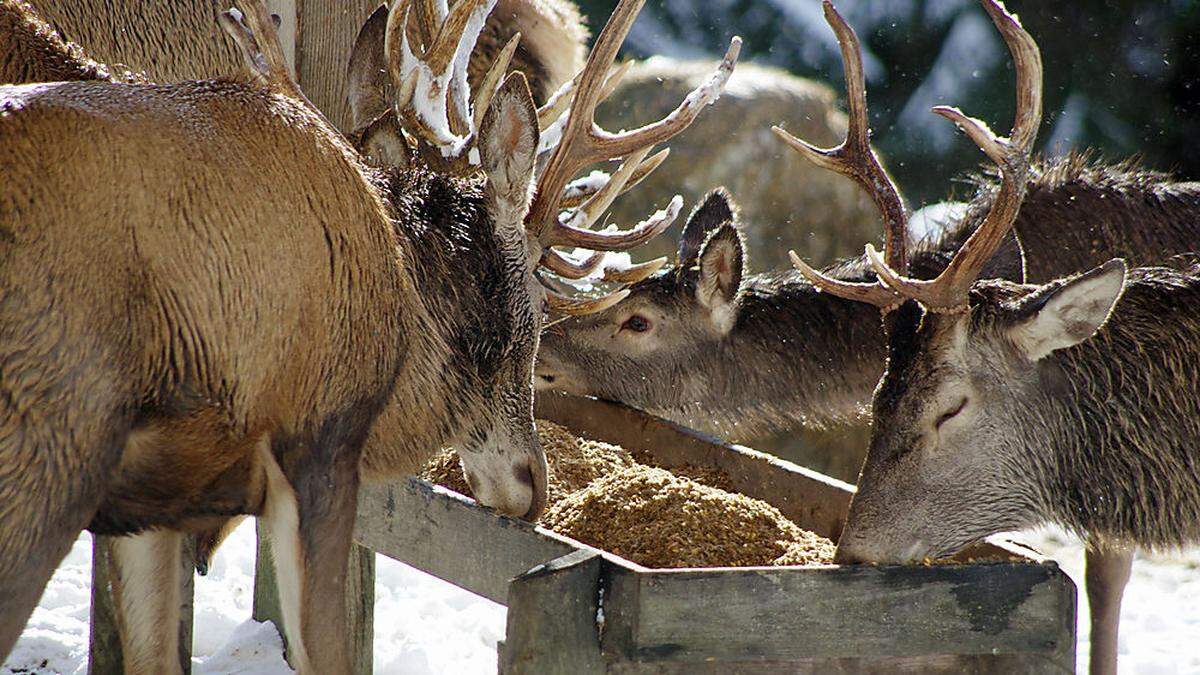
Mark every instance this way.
x=1108 y=570
x=552 y=618
x=122 y=567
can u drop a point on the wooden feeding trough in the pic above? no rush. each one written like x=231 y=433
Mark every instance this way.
x=575 y=609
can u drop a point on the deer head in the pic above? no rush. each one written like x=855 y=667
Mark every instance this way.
x=643 y=351
x=961 y=352
x=527 y=207
x=949 y=461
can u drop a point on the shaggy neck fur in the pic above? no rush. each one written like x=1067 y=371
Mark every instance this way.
x=788 y=359
x=1078 y=214
x=1116 y=434
x=447 y=247
x=795 y=355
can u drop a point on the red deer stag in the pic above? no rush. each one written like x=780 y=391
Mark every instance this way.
x=785 y=353
x=192 y=340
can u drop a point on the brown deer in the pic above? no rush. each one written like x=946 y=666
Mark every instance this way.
x=186 y=341
x=773 y=350
x=992 y=414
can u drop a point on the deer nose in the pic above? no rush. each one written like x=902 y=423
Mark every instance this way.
x=535 y=474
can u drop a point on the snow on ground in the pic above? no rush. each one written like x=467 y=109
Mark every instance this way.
x=424 y=625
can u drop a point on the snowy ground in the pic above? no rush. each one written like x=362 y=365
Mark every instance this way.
x=426 y=626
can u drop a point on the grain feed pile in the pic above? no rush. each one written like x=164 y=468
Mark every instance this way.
x=602 y=495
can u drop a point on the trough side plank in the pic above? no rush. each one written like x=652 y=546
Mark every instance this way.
x=1005 y=664
x=451 y=537
x=832 y=613
x=552 y=618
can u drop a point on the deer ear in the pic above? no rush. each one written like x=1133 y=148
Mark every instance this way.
x=1066 y=312
x=369 y=91
x=716 y=209
x=719 y=286
x=507 y=142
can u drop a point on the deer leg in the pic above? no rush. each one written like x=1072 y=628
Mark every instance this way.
x=309 y=512
x=145 y=588
x=49 y=491
x=1107 y=572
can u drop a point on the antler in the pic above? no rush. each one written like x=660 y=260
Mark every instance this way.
x=578 y=142
x=948 y=292
x=855 y=159
x=427 y=62
x=257 y=37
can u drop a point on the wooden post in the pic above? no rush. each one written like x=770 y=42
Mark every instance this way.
x=360 y=600
x=325 y=35
x=552 y=618
x=104 y=648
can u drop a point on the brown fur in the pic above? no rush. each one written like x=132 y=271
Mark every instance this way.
x=180 y=40
x=152 y=340
x=32 y=51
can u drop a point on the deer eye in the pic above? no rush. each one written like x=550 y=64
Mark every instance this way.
x=636 y=323
x=945 y=417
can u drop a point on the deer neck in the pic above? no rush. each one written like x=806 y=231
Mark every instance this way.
x=433 y=396
x=795 y=356
x=1119 y=449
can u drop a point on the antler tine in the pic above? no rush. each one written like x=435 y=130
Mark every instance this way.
x=580 y=306
x=255 y=34
x=435 y=71
x=583 y=143
x=948 y=292
x=872 y=293
x=491 y=81
x=569 y=269
x=577 y=191
x=563 y=234
x=854 y=157
x=633 y=273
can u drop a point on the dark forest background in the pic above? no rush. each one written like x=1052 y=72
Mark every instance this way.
x=1120 y=75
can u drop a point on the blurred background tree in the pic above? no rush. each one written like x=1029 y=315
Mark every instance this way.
x=1121 y=75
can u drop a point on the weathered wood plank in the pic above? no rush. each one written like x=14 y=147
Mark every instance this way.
x=810 y=499
x=1005 y=664
x=105 y=654
x=451 y=537
x=104 y=648
x=325 y=35
x=842 y=612
x=286 y=10
x=552 y=614
x=360 y=600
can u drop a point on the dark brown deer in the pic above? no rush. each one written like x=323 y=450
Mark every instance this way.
x=995 y=411
x=772 y=350
x=184 y=341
